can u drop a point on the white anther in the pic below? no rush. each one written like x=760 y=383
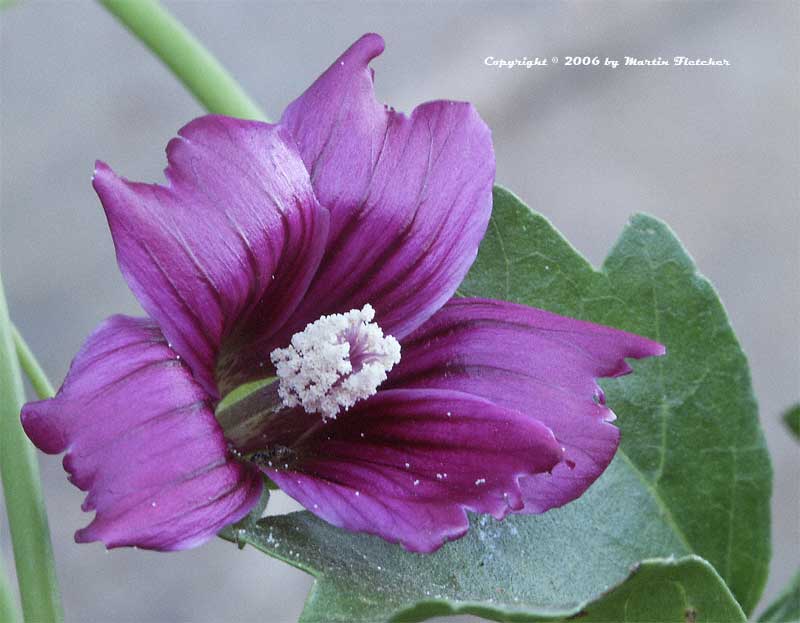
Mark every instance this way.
x=335 y=362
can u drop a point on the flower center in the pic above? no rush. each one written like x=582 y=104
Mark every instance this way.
x=335 y=362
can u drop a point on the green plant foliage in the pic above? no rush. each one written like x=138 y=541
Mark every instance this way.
x=692 y=475
x=786 y=608
x=792 y=419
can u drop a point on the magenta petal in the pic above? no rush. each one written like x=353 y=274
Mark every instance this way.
x=222 y=255
x=407 y=464
x=537 y=363
x=409 y=197
x=140 y=438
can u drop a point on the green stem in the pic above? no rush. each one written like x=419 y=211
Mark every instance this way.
x=27 y=518
x=8 y=606
x=44 y=389
x=191 y=63
x=39 y=381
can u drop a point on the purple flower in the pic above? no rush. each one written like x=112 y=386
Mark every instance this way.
x=324 y=251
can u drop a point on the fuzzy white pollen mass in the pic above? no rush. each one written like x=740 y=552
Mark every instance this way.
x=335 y=362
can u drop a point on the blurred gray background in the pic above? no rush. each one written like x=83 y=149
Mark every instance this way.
x=713 y=151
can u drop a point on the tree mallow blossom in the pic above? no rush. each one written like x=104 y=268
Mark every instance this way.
x=323 y=253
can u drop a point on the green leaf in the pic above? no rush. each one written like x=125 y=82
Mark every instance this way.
x=692 y=476
x=689 y=420
x=235 y=532
x=786 y=608
x=688 y=590
x=792 y=419
x=370 y=580
x=521 y=564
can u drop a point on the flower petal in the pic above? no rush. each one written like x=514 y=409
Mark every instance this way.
x=535 y=362
x=221 y=256
x=407 y=464
x=409 y=197
x=141 y=439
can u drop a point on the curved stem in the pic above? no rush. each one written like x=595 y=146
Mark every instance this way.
x=192 y=64
x=30 y=535
x=39 y=381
